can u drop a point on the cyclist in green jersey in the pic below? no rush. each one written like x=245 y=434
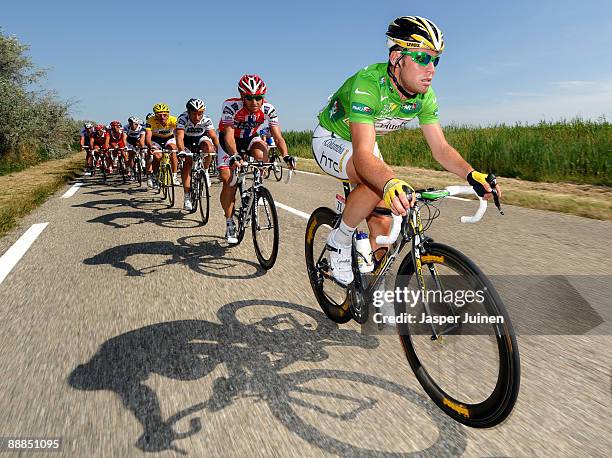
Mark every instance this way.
x=378 y=99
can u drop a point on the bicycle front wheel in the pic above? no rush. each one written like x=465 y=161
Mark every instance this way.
x=121 y=164
x=332 y=298
x=138 y=170
x=265 y=228
x=278 y=169
x=203 y=197
x=463 y=352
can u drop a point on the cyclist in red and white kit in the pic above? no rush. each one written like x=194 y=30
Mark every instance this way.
x=97 y=143
x=241 y=119
x=116 y=139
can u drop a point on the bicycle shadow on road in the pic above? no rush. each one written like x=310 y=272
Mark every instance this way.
x=256 y=356
x=203 y=254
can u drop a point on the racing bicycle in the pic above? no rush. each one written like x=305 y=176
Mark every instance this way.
x=200 y=190
x=255 y=207
x=164 y=177
x=473 y=377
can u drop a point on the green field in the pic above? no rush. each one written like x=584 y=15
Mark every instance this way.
x=574 y=151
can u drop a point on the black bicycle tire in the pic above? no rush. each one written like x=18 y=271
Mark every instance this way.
x=500 y=403
x=204 y=198
x=170 y=187
x=121 y=164
x=194 y=191
x=138 y=170
x=323 y=216
x=278 y=169
x=263 y=262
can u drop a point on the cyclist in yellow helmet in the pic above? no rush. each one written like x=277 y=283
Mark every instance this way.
x=160 y=135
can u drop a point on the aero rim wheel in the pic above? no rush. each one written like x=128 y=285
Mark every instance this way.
x=332 y=298
x=264 y=226
x=471 y=370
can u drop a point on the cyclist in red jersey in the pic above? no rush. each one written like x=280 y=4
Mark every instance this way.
x=116 y=138
x=97 y=142
x=241 y=119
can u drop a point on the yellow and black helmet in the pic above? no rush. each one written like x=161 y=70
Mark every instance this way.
x=161 y=108
x=415 y=32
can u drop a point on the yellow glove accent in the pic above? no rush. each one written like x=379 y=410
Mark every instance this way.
x=393 y=188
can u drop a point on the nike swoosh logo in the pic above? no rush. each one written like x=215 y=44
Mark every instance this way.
x=357 y=91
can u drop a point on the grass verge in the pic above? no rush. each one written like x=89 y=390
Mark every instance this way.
x=23 y=191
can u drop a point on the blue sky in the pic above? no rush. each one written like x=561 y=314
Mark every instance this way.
x=504 y=61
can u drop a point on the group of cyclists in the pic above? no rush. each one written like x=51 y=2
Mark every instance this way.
x=240 y=134
x=378 y=99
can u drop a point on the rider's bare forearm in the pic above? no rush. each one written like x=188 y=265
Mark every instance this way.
x=372 y=170
x=449 y=158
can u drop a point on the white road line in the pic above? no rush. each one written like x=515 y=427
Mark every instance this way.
x=310 y=173
x=301 y=214
x=72 y=191
x=19 y=248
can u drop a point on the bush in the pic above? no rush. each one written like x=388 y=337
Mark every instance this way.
x=35 y=124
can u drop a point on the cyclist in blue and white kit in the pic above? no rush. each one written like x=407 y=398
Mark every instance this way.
x=195 y=130
x=135 y=135
x=86 y=134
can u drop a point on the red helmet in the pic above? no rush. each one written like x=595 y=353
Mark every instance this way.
x=100 y=128
x=115 y=124
x=251 y=85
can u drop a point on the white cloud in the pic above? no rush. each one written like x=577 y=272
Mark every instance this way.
x=572 y=84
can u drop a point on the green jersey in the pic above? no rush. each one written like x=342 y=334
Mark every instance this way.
x=369 y=97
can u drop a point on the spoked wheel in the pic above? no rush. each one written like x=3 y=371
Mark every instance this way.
x=332 y=298
x=265 y=229
x=121 y=164
x=240 y=212
x=277 y=168
x=103 y=169
x=204 y=198
x=169 y=187
x=138 y=170
x=470 y=370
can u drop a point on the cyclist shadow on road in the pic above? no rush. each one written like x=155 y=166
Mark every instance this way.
x=256 y=355
x=203 y=254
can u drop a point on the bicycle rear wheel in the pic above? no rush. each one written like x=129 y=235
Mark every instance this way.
x=471 y=371
x=332 y=298
x=265 y=228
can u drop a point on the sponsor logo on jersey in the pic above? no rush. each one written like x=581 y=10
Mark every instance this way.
x=389 y=125
x=336 y=111
x=411 y=107
x=360 y=108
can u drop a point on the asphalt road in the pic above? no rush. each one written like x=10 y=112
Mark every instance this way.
x=128 y=327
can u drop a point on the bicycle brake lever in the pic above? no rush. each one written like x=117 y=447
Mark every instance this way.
x=496 y=201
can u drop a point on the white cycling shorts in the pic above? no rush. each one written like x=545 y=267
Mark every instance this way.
x=171 y=141
x=332 y=152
